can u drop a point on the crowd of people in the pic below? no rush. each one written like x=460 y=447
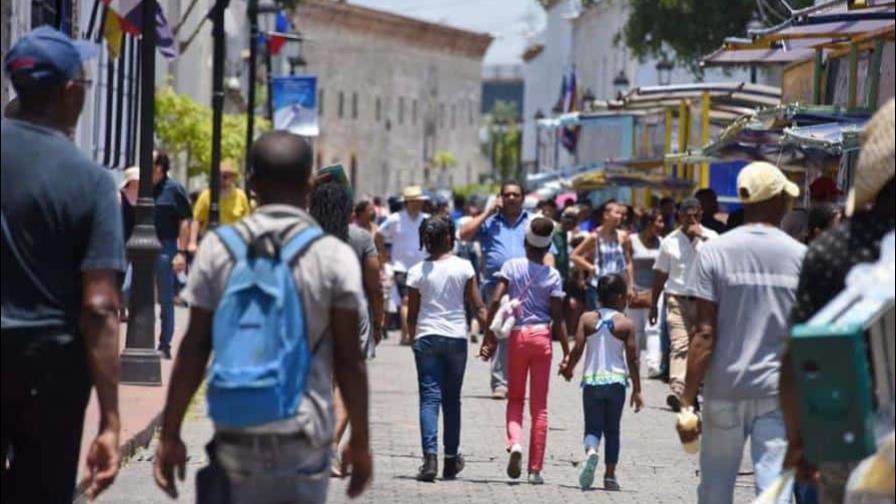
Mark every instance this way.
x=290 y=296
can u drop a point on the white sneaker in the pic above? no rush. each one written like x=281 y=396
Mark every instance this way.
x=535 y=478
x=515 y=462
x=589 y=466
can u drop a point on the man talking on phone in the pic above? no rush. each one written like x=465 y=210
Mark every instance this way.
x=501 y=231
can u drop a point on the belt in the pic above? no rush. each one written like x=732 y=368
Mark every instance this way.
x=264 y=440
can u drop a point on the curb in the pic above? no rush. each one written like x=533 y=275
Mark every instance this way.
x=127 y=449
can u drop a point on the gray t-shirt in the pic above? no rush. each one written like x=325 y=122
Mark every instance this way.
x=361 y=241
x=328 y=275
x=751 y=273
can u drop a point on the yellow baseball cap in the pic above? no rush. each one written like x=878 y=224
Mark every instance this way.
x=760 y=181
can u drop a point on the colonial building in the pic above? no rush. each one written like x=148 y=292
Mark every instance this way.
x=392 y=92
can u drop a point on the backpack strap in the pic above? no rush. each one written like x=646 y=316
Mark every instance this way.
x=233 y=240
x=299 y=242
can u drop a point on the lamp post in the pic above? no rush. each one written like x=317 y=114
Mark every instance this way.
x=219 y=42
x=140 y=363
x=664 y=71
x=252 y=13
x=539 y=115
x=620 y=84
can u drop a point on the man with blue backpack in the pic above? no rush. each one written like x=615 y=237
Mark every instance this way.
x=274 y=302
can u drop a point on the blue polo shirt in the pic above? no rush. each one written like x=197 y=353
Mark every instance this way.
x=502 y=241
x=172 y=206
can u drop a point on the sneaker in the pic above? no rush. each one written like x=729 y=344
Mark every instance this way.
x=515 y=462
x=673 y=402
x=429 y=469
x=586 y=477
x=610 y=484
x=535 y=478
x=452 y=466
x=499 y=393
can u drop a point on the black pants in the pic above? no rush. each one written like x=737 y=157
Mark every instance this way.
x=46 y=387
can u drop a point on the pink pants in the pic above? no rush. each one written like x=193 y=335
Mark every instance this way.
x=529 y=353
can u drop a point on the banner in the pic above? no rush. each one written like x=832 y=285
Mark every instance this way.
x=294 y=99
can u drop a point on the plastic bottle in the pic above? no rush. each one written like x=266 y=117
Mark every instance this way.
x=687 y=419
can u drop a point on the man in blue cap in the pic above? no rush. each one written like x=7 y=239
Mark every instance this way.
x=62 y=257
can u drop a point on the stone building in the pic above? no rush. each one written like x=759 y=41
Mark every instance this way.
x=392 y=92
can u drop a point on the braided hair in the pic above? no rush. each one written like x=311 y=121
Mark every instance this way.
x=437 y=235
x=331 y=207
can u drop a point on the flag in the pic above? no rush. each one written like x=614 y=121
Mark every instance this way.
x=113 y=33
x=281 y=26
x=570 y=134
x=129 y=16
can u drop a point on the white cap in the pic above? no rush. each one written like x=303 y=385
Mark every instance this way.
x=130 y=174
x=760 y=181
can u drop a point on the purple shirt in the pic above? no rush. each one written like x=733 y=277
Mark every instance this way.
x=535 y=307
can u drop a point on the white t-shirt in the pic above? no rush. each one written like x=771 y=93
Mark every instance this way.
x=403 y=233
x=441 y=284
x=676 y=258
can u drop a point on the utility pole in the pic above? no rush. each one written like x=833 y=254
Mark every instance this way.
x=140 y=363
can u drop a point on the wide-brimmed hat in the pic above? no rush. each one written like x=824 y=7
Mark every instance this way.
x=876 y=162
x=760 y=181
x=413 y=193
x=130 y=174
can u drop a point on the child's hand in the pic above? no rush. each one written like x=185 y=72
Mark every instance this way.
x=564 y=369
x=636 y=402
x=488 y=346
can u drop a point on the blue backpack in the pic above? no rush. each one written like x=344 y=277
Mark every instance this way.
x=261 y=353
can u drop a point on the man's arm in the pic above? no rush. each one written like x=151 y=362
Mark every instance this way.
x=350 y=372
x=413 y=311
x=469 y=230
x=99 y=326
x=373 y=287
x=558 y=324
x=700 y=350
x=659 y=283
x=186 y=376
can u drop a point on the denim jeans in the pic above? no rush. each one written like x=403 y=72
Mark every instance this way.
x=590 y=297
x=165 y=281
x=260 y=471
x=441 y=362
x=603 y=405
x=499 y=360
x=726 y=426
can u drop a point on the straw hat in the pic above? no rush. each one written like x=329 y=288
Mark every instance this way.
x=130 y=174
x=228 y=166
x=413 y=193
x=876 y=162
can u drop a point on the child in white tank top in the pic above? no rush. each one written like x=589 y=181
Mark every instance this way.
x=608 y=339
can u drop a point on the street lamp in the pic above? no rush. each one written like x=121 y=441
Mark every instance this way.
x=620 y=84
x=140 y=363
x=664 y=71
x=587 y=100
x=539 y=115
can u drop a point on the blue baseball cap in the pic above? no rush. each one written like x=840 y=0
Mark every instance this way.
x=46 y=56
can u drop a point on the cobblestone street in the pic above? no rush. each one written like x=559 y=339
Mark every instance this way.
x=652 y=469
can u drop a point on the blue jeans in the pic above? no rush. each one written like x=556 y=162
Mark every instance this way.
x=165 y=281
x=441 y=362
x=603 y=405
x=590 y=297
x=726 y=426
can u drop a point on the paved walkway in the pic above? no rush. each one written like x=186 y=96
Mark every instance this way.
x=653 y=468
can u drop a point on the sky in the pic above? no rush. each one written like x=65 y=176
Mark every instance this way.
x=510 y=22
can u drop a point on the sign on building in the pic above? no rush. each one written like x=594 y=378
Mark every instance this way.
x=294 y=99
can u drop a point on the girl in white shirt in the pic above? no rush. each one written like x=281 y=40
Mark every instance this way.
x=438 y=287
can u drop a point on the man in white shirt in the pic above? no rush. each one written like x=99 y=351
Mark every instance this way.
x=402 y=230
x=673 y=268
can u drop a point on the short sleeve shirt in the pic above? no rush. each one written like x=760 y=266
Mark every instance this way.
x=328 y=274
x=172 y=207
x=62 y=215
x=403 y=232
x=441 y=285
x=676 y=258
x=534 y=285
x=751 y=273
x=233 y=206
x=361 y=241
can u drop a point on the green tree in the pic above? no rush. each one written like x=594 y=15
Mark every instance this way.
x=184 y=128
x=503 y=143
x=444 y=159
x=693 y=28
